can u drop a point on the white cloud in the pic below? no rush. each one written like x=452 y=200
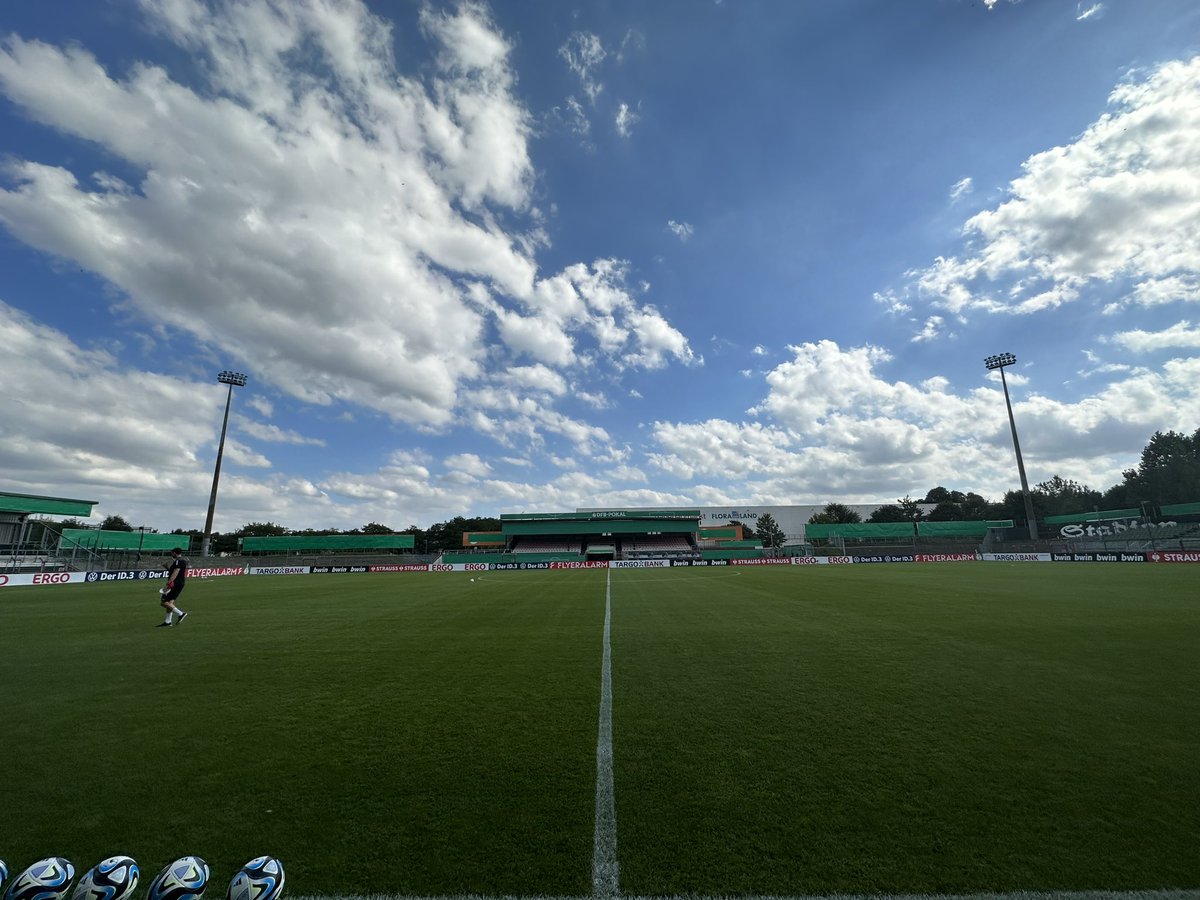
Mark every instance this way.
x=261 y=405
x=681 y=230
x=267 y=432
x=1181 y=334
x=832 y=426
x=468 y=464
x=1172 y=289
x=1092 y=12
x=931 y=329
x=961 y=187
x=584 y=53
x=626 y=118
x=335 y=226
x=1122 y=201
x=759 y=350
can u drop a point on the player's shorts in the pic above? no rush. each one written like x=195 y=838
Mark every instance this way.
x=173 y=592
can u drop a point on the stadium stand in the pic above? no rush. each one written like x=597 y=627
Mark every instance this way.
x=546 y=545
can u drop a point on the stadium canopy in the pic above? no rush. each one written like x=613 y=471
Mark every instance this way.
x=601 y=522
x=15 y=510
x=51 y=506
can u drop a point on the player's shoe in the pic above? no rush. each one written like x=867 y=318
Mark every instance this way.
x=182 y=616
x=163 y=625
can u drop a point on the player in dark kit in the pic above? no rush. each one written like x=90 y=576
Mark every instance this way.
x=176 y=578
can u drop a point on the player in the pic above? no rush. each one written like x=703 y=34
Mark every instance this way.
x=176 y=578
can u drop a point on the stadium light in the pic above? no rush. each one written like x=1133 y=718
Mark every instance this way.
x=233 y=379
x=999 y=361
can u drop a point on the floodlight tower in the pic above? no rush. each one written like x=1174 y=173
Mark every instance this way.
x=999 y=361
x=233 y=379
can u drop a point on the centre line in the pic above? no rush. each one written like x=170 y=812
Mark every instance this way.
x=604 y=845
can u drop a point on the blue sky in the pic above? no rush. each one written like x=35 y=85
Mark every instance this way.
x=484 y=258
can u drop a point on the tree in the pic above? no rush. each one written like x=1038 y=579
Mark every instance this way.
x=946 y=511
x=375 y=528
x=889 y=512
x=1062 y=496
x=115 y=523
x=1169 y=470
x=942 y=495
x=260 y=529
x=769 y=532
x=912 y=511
x=449 y=535
x=834 y=514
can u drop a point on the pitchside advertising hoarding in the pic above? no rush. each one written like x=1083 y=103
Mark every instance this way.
x=42 y=579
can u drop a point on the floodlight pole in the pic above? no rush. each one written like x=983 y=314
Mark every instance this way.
x=999 y=362
x=233 y=379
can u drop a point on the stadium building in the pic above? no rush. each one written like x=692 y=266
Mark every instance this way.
x=601 y=533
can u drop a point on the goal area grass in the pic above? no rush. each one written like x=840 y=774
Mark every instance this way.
x=899 y=729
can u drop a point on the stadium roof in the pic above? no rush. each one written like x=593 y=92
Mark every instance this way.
x=33 y=503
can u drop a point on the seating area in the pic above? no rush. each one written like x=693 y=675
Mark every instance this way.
x=657 y=545
x=29 y=562
x=547 y=545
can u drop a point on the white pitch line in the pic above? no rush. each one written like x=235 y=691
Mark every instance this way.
x=604 y=844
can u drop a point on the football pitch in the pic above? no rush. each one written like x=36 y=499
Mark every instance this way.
x=885 y=729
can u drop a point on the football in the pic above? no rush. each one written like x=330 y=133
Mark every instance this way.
x=184 y=879
x=115 y=878
x=259 y=879
x=46 y=879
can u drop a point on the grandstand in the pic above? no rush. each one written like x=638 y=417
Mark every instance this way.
x=26 y=544
x=604 y=534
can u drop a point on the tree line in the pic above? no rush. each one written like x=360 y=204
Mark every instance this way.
x=1167 y=472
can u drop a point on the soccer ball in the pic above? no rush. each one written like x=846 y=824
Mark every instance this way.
x=116 y=878
x=472 y=581
x=259 y=879
x=46 y=879
x=184 y=879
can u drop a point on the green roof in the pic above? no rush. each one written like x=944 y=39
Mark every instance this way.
x=55 y=506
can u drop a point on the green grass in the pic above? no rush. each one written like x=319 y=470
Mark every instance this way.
x=903 y=728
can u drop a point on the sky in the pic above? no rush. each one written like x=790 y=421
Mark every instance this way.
x=528 y=255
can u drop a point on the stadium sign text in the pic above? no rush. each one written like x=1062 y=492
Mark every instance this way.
x=1175 y=557
x=1116 y=526
x=610 y=514
x=765 y=561
x=945 y=557
x=591 y=564
x=641 y=564
x=279 y=570
x=24 y=579
x=1017 y=557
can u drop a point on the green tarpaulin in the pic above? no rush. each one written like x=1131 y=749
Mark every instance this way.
x=294 y=542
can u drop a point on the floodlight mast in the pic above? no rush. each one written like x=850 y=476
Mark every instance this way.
x=999 y=361
x=233 y=379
